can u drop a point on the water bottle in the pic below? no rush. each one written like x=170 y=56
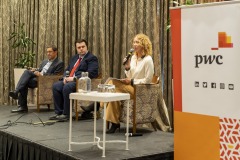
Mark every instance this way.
x=88 y=82
x=82 y=83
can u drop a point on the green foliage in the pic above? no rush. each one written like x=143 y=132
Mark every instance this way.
x=22 y=44
x=168 y=24
x=188 y=2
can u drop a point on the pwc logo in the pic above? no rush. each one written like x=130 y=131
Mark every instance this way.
x=224 y=41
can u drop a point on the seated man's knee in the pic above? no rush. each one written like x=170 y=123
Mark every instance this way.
x=69 y=88
x=57 y=85
x=26 y=72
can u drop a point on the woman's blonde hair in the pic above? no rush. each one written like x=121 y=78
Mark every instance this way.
x=145 y=43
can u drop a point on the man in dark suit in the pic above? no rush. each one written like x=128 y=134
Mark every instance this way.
x=84 y=61
x=51 y=66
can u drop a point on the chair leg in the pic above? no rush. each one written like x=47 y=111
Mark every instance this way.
x=76 y=115
x=98 y=114
x=134 y=128
x=76 y=111
x=38 y=107
x=154 y=125
x=48 y=107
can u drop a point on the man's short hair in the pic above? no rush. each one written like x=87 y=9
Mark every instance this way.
x=54 y=48
x=80 y=41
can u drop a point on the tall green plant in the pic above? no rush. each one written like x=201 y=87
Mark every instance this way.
x=22 y=45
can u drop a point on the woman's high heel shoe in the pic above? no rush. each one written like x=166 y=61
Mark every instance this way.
x=113 y=128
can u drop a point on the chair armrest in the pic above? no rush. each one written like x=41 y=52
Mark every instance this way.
x=45 y=88
x=146 y=94
x=47 y=81
x=144 y=89
x=146 y=100
x=95 y=82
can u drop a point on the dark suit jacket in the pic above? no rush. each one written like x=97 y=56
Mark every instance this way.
x=56 y=67
x=88 y=64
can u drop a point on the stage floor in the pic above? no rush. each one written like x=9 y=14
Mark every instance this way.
x=55 y=136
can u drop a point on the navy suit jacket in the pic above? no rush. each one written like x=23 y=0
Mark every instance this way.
x=56 y=67
x=88 y=64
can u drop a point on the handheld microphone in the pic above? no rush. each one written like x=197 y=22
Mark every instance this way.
x=128 y=55
x=135 y=134
x=67 y=74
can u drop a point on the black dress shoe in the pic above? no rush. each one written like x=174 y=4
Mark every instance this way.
x=63 y=118
x=86 y=116
x=90 y=108
x=54 y=117
x=113 y=128
x=20 y=109
x=13 y=94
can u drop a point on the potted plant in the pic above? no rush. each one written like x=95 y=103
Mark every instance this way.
x=22 y=45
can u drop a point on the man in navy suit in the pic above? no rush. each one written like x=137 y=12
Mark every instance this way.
x=84 y=61
x=51 y=66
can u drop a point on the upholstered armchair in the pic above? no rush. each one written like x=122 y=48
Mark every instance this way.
x=42 y=95
x=143 y=108
x=44 y=90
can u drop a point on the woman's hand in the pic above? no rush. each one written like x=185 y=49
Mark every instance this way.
x=126 y=81
x=127 y=64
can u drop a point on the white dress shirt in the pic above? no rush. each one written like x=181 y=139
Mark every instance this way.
x=141 y=70
x=46 y=67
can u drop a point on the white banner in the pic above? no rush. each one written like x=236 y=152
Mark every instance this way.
x=211 y=60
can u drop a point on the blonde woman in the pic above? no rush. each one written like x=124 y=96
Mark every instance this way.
x=139 y=70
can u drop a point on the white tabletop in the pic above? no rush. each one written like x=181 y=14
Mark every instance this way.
x=99 y=96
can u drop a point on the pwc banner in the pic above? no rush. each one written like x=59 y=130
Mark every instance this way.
x=206 y=81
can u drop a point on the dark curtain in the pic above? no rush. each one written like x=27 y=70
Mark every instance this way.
x=13 y=148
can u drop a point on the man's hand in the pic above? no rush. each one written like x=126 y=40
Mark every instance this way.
x=68 y=79
x=37 y=73
x=33 y=69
